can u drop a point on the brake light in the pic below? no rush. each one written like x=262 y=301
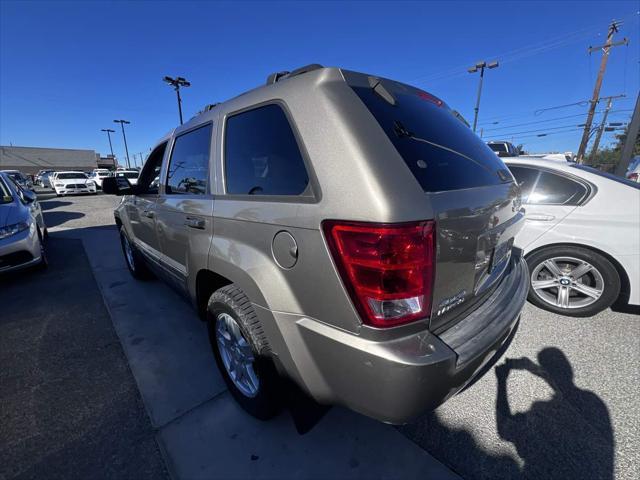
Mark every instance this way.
x=387 y=268
x=633 y=176
x=430 y=98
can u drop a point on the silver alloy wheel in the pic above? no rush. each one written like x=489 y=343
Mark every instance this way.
x=567 y=282
x=128 y=252
x=237 y=355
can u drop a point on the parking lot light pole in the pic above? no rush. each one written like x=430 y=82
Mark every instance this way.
x=109 y=132
x=126 y=149
x=176 y=83
x=480 y=66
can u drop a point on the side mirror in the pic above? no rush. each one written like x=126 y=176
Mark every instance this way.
x=28 y=196
x=117 y=186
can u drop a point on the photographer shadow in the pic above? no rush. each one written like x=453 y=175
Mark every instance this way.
x=567 y=436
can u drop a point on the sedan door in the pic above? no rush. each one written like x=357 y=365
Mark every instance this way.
x=185 y=210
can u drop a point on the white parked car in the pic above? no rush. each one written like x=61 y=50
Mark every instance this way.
x=633 y=171
x=581 y=237
x=131 y=175
x=71 y=183
x=98 y=175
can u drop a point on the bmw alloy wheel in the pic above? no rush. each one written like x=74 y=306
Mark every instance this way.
x=567 y=282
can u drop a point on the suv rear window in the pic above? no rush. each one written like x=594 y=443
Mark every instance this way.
x=441 y=152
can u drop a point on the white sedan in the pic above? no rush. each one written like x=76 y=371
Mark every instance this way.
x=581 y=236
x=72 y=183
x=98 y=175
x=131 y=175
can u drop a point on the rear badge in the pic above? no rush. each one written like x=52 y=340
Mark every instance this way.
x=449 y=303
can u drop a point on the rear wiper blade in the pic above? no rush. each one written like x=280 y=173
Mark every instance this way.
x=400 y=130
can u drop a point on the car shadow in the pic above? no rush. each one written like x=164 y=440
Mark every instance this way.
x=51 y=204
x=57 y=218
x=568 y=435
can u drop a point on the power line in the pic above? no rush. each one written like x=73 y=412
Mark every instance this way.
x=550 y=120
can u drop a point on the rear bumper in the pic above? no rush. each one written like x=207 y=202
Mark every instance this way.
x=396 y=380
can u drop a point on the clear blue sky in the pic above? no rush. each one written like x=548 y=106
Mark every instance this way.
x=68 y=69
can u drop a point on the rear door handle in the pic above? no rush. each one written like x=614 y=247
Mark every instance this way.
x=148 y=213
x=540 y=217
x=195 y=223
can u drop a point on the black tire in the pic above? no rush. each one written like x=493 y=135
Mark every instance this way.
x=232 y=301
x=610 y=280
x=135 y=263
x=44 y=261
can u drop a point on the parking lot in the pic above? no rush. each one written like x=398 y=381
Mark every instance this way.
x=104 y=373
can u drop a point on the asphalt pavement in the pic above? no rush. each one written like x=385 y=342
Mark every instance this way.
x=562 y=403
x=69 y=405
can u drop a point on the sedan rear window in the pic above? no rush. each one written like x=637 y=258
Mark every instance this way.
x=439 y=149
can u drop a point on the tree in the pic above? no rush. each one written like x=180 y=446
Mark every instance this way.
x=610 y=156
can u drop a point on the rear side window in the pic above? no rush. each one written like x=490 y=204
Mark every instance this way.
x=189 y=165
x=261 y=154
x=526 y=178
x=554 y=189
x=441 y=152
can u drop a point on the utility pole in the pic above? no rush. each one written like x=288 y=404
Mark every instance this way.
x=141 y=158
x=480 y=66
x=606 y=49
x=630 y=141
x=126 y=149
x=176 y=83
x=109 y=132
x=596 y=142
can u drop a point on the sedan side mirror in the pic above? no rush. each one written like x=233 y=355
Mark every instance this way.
x=117 y=186
x=28 y=196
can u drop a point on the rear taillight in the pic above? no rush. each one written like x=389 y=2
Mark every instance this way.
x=633 y=177
x=387 y=268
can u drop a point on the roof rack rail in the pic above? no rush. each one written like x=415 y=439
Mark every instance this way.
x=277 y=76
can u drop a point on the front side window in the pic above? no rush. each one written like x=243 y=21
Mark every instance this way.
x=149 y=178
x=554 y=189
x=261 y=154
x=189 y=164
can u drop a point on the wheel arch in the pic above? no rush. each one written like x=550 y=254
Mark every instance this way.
x=207 y=282
x=625 y=284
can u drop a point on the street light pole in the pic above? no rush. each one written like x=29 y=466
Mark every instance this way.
x=126 y=149
x=176 y=83
x=480 y=66
x=109 y=132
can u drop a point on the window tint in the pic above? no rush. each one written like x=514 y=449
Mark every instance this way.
x=149 y=179
x=553 y=189
x=261 y=154
x=441 y=152
x=189 y=165
x=526 y=178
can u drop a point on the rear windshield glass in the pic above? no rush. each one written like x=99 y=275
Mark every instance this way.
x=610 y=176
x=440 y=150
x=497 y=147
x=128 y=174
x=71 y=176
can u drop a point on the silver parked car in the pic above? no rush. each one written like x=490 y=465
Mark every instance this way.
x=22 y=227
x=342 y=230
